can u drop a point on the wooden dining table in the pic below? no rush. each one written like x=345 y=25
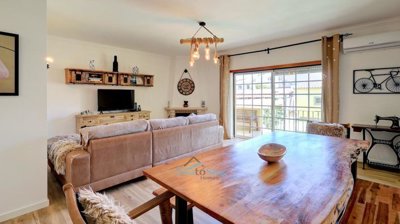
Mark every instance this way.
x=312 y=183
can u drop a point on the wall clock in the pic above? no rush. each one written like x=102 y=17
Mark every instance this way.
x=186 y=85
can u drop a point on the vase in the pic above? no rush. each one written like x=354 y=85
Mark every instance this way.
x=115 y=64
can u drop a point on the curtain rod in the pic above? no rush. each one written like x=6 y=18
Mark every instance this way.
x=285 y=46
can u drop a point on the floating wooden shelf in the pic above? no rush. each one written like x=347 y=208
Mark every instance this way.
x=98 y=77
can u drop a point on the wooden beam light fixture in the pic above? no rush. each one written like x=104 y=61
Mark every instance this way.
x=196 y=42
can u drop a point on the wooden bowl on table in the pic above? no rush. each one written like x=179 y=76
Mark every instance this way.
x=272 y=152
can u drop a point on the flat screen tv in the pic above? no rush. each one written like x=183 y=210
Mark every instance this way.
x=115 y=99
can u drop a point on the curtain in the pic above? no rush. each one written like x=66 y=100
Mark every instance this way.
x=225 y=118
x=330 y=79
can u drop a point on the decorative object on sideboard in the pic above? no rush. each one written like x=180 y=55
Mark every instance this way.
x=393 y=119
x=186 y=85
x=115 y=64
x=185 y=103
x=376 y=81
x=203 y=103
x=9 y=64
x=91 y=65
x=195 y=44
x=86 y=112
x=139 y=108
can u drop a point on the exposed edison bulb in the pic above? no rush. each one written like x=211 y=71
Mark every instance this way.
x=215 y=59
x=191 y=63
x=215 y=54
x=207 y=53
x=196 y=53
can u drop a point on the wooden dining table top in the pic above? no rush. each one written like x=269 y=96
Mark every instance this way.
x=233 y=185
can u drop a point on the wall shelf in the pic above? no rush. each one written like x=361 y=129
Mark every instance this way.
x=98 y=77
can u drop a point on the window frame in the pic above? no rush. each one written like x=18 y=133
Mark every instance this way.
x=273 y=69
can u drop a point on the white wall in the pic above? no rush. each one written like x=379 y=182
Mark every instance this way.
x=353 y=108
x=65 y=101
x=360 y=108
x=205 y=75
x=23 y=129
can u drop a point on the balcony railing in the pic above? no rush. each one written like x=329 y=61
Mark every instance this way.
x=250 y=122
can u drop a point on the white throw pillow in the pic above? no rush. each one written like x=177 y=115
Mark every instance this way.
x=101 y=209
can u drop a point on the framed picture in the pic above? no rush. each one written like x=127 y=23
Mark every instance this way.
x=8 y=64
x=376 y=81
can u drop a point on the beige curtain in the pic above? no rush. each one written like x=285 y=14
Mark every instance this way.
x=224 y=95
x=330 y=83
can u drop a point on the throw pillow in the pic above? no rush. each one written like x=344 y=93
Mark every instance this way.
x=101 y=209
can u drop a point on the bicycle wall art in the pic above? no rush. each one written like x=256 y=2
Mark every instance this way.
x=376 y=81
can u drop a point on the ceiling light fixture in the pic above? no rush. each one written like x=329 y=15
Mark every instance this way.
x=195 y=44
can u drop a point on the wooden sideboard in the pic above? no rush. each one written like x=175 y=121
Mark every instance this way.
x=174 y=111
x=109 y=118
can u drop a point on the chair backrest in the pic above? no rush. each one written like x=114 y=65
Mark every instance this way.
x=72 y=205
x=329 y=129
x=161 y=200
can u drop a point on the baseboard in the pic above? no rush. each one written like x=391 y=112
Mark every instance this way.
x=24 y=210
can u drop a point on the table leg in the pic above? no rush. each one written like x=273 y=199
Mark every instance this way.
x=364 y=153
x=190 y=216
x=181 y=213
x=364 y=159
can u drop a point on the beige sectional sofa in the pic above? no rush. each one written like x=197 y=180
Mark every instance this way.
x=115 y=153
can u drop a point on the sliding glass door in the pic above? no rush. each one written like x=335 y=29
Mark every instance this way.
x=283 y=99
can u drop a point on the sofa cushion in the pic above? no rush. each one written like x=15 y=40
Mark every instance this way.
x=104 y=131
x=100 y=208
x=194 y=119
x=168 y=123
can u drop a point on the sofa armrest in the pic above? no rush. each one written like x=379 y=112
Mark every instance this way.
x=77 y=168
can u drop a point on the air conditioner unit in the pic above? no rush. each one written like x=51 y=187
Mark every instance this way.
x=382 y=40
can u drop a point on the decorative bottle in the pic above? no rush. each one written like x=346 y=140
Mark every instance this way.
x=115 y=64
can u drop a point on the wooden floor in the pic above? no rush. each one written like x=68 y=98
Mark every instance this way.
x=134 y=193
x=379 y=176
x=373 y=203
x=130 y=195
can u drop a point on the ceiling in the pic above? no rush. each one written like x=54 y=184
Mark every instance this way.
x=157 y=25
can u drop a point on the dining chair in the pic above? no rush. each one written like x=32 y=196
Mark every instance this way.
x=334 y=130
x=75 y=210
x=166 y=208
x=328 y=129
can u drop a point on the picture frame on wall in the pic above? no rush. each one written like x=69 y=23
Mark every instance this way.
x=9 y=48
